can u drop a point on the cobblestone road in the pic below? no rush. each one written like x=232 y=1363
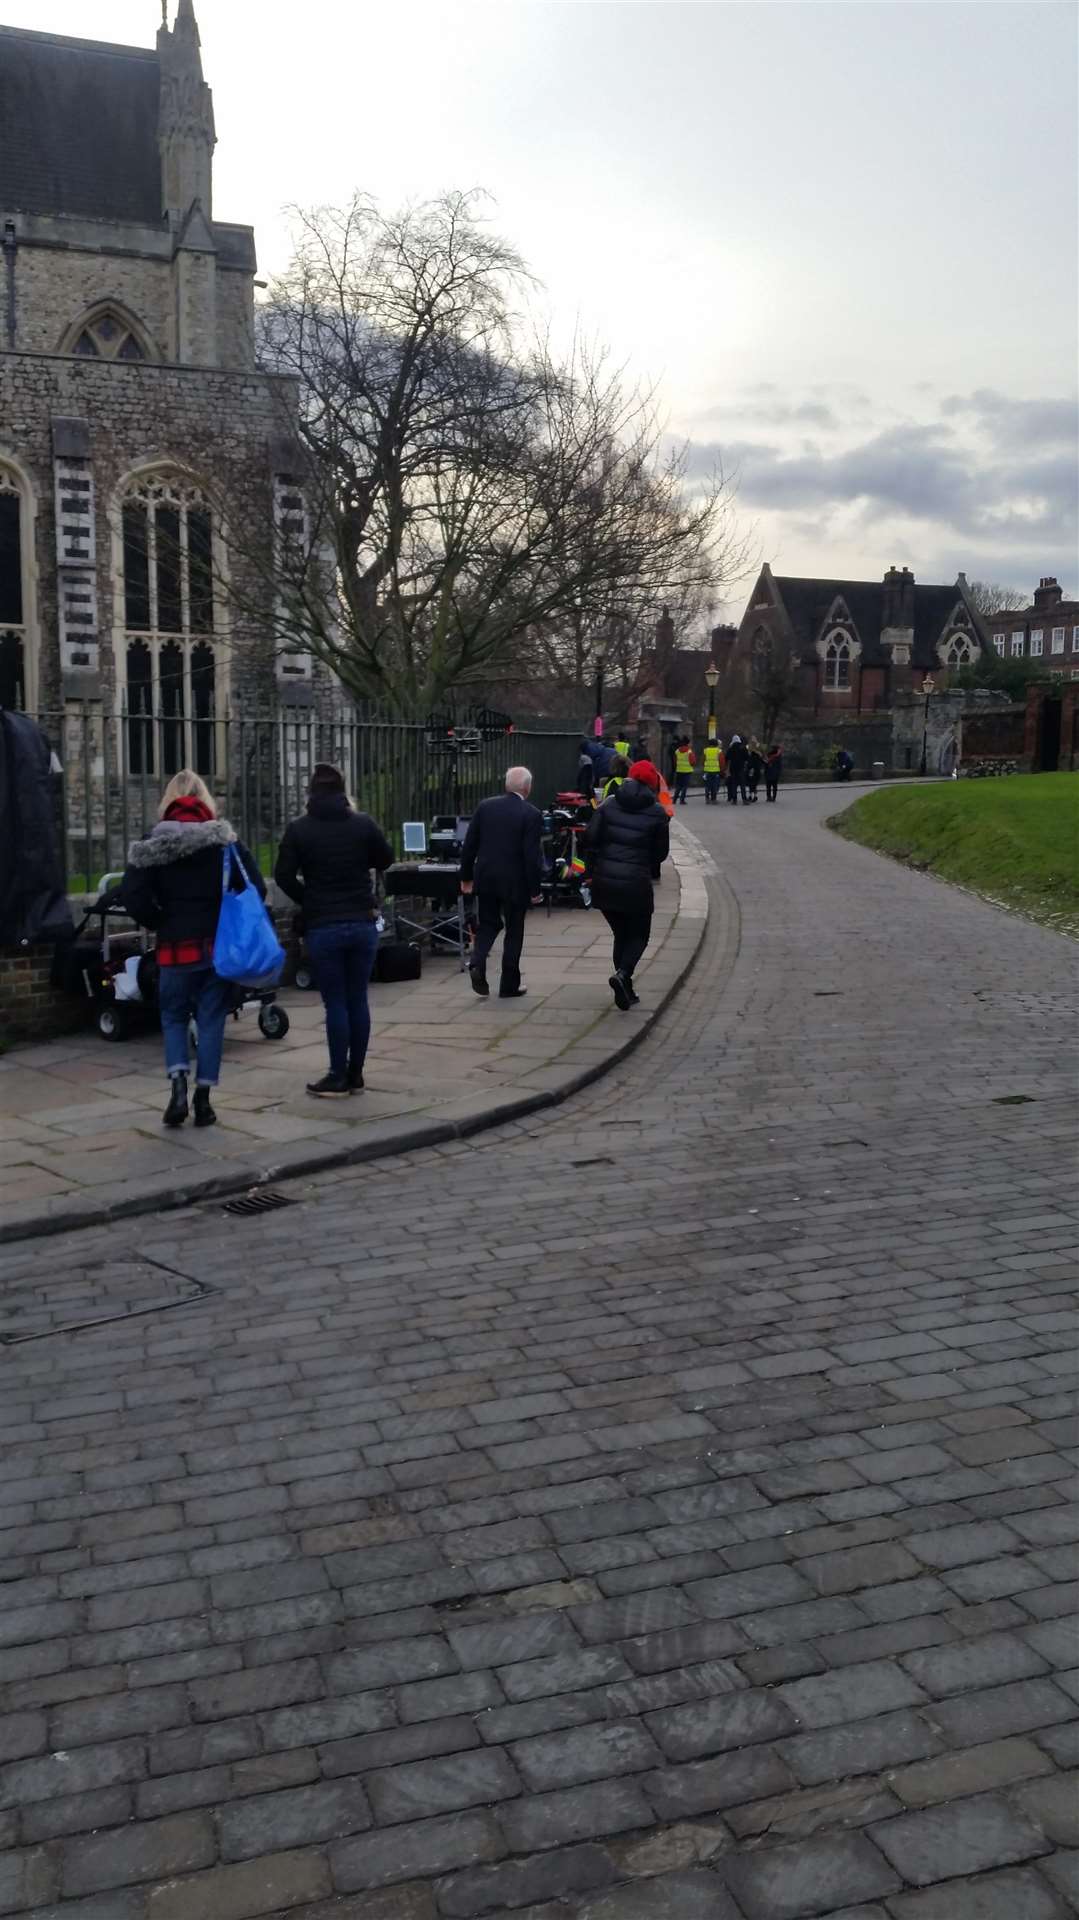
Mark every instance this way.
x=661 y=1511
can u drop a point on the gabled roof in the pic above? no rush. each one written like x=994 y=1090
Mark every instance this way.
x=809 y=602
x=78 y=128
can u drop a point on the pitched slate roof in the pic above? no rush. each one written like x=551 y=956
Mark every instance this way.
x=78 y=128
x=808 y=603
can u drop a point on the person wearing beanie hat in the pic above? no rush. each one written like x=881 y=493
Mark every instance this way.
x=627 y=841
x=325 y=865
x=646 y=773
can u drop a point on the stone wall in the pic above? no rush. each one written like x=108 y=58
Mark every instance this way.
x=937 y=721
x=65 y=268
x=55 y=286
x=219 y=424
x=866 y=739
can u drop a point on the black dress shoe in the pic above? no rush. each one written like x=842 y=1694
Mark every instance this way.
x=204 y=1113
x=479 y=982
x=332 y=1086
x=512 y=993
x=176 y=1112
x=355 y=1080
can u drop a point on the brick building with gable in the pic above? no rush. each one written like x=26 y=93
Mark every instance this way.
x=860 y=643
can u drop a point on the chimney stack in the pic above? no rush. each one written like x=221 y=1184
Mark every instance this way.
x=1049 y=594
x=897 y=606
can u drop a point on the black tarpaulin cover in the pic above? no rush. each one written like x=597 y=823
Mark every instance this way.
x=33 y=903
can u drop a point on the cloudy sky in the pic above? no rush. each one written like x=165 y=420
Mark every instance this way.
x=840 y=236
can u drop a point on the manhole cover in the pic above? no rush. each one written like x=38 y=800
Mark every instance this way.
x=73 y=1298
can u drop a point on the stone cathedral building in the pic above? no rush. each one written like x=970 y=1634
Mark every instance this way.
x=131 y=406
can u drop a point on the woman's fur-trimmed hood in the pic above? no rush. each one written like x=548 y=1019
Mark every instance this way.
x=173 y=840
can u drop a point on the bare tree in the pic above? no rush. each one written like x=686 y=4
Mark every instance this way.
x=468 y=499
x=773 y=680
x=988 y=599
x=678 y=549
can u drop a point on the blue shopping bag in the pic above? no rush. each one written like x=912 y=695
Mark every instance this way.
x=246 y=948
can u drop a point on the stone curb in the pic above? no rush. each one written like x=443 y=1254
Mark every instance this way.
x=681 y=946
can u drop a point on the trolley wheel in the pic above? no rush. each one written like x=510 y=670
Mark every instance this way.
x=112 y=1022
x=273 y=1022
x=304 y=978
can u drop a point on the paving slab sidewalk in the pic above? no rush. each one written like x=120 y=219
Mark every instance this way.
x=81 y=1140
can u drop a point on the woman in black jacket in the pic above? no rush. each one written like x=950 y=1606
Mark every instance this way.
x=325 y=865
x=627 y=841
x=173 y=884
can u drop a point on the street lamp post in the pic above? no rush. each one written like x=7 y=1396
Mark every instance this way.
x=927 y=689
x=711 y=674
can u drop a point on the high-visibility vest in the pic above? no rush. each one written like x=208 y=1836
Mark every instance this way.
x=713 y=760
x=683 y=760
x=622 y=747
x=615 y=780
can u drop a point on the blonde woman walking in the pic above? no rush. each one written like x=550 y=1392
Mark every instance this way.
x=173 y=885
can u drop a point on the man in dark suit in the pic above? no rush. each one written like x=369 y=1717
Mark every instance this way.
x=501 y=860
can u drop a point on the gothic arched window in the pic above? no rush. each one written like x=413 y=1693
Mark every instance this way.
x=107 y=333
x=16 y=630
x=959 y=651
x=170 y=659
x=838 y=653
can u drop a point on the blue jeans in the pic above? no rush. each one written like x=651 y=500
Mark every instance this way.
x=343 y=954
x=196 y=991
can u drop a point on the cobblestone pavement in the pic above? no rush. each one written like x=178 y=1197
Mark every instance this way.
x=80 y=1122
x=663 y=1510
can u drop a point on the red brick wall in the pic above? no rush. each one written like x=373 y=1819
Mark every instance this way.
x=30 y=1009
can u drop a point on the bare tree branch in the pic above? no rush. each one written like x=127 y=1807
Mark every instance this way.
x=988 y=598
x=473 y=502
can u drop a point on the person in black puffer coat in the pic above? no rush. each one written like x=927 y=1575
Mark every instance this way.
x=627 y=841
x=325 y=865
x=172 y=884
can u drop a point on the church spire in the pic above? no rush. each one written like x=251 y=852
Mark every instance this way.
x=186 y=136
x=186 y=22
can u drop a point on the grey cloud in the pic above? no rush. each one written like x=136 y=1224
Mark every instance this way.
x=921 y=471
x=779 y=413
x=1017 y=423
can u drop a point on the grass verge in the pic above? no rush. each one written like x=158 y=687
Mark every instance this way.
x=1016 y=842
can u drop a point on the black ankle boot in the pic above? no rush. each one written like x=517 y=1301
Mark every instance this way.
x=204 y=1113
x=176 y=1112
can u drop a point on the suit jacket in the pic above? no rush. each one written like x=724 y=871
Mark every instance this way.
x=502 y=851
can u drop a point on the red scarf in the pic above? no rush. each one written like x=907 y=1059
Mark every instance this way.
x=188 y=809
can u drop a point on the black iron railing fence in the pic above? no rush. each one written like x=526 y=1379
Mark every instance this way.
x=257 y=765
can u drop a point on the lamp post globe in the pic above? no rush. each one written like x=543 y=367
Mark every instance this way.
x=711 y=675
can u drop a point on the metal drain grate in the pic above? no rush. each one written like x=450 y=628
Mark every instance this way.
x=259 y=1200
